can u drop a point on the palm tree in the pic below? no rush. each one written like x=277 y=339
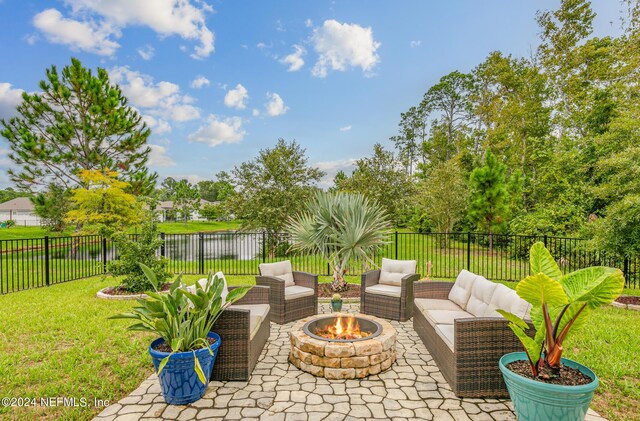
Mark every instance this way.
x=341 y=227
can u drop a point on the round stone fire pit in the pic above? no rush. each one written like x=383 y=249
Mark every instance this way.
x=342 y=346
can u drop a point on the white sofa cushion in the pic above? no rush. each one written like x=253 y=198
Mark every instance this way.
x=445 y=317
x=203 y=284
x=461 y=289
x=258 y=313
x=481 y=294
x=446 y=332
x=280 y=270
x=296 y=291
x=505 y=298
x=382 y=289
x=392 y=271
x=426 y=304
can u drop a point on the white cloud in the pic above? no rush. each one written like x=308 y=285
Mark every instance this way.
x=191 y=178
x=294 y=60
x=107 y=18
x=31 y=39
x=162 y=99
x=237 y=97
x=343 y=45
x=331 y=168
x=415 y=43
x=157 y=125
x=9 y=100
x=158 y=157
x=79 y=36
x=308 y=23
x=200 y=82
x=261 y=45
x=146 y=52
x=255 y=112
x=279 y=26
x=345 y=128
x=275 y=106
x=218 y=131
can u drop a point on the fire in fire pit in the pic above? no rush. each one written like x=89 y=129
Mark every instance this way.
x=344 y=328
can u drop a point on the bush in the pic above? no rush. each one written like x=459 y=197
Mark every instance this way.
x=10 y=223
x=140 y=249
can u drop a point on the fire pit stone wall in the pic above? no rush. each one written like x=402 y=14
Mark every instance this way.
x=343 y=360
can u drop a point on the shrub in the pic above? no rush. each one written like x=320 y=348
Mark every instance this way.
x=133 y=251
x=10 y=223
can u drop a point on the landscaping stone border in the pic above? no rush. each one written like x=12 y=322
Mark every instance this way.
x=104 y=296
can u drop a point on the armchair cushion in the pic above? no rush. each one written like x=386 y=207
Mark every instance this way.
x=428 y=304
x=258 y=313
x=481 y=294
x=297 y=291
x=505 y=298
x=392 y=271
x=461 y=289
x=382 y=289
x=282 y=270
x=203 y=283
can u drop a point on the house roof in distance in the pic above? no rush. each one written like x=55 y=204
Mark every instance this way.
x=168 y=204
x=19 y=204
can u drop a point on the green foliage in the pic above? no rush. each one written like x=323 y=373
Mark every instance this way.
x=143 y=249
x=443 y=196
x=9 y=193
x=79 y=121
x=489 y=197
x=52 y=207
x=383 y=179
x=272 y=187
x=181 y=317
x=336 y=297
x=559 y=303
x=186 y=199
x=210 y=211
x=619 y=231
x=10 y=223
x=341 y=227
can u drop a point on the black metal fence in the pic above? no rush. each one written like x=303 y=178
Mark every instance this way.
x=37 y=262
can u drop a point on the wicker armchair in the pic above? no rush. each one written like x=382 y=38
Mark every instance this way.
x=471 y=367
x=244 y=329
x=292 y=295
x=388 y=292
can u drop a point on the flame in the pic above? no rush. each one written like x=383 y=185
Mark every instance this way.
x=350 y=330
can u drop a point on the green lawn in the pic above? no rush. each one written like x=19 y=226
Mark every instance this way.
x=57 y=342
x=17 y=233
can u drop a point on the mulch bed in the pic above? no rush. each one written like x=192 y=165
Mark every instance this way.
x=568 y=376
x=628 y=300
x=165 y=347
x=353 y=291
x=119 y=290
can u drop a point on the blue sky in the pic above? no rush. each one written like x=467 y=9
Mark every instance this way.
x=219 y=80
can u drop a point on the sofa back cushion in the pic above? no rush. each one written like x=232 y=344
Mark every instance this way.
x=481 y=293
x=280 y=270
x=505 y=298
x=461 y=290
x=392 y=271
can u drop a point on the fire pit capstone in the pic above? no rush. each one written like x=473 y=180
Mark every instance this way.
x=344 y=359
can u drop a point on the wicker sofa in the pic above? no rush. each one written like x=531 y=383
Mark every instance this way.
x=388 y=292
x=292 y=295
x=244 y=329
x=460 y=327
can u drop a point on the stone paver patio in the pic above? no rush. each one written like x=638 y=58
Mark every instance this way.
x=413 y=389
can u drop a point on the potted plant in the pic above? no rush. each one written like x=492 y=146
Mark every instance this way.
x=336 y=302
x=186 y=349
x=541 y=383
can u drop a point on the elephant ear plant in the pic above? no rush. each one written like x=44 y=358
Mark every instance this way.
x=181 y=317
x=559 y=303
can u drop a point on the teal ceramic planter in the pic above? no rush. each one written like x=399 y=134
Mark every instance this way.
x=336 y=305
x=538 y=401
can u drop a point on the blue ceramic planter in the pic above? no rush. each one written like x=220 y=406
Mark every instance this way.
x=538 y=401
x=179 y=382
x=336 y=305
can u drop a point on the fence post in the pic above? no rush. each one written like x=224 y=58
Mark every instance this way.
x=264 y=246
x=625 y=270
x=46 y=259
x=104 y=254
x=469 y=251
x=546 y=240
x=200 y=253
x=162 y=250
x=396 y=244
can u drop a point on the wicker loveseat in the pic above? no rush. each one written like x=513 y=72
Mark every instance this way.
x=388 y=292
x=244 y=329
x=465 y=335
x=292 y=295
